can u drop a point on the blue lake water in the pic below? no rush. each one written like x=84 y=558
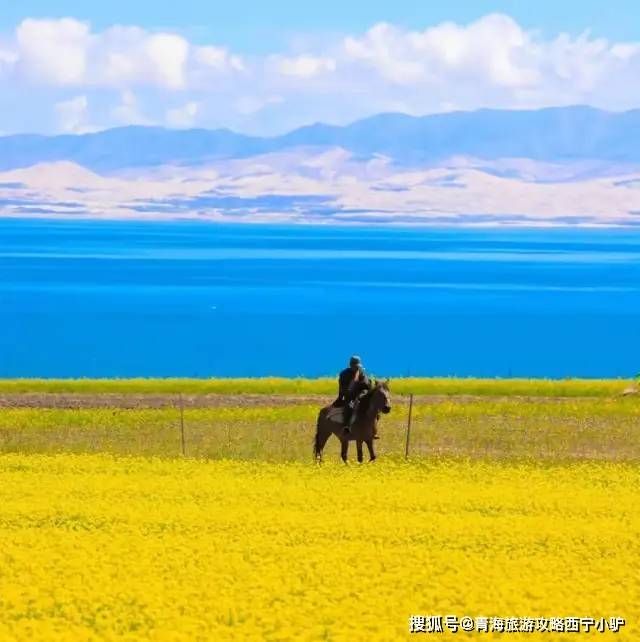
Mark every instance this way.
x=123 y=299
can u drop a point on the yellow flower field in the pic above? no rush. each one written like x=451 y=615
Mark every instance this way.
x=323 y=386
x=96 y=547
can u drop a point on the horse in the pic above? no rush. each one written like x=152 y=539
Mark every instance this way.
x=362 y=430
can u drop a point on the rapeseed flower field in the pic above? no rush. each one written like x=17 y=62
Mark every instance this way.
x=107 y=547
x=322 y=386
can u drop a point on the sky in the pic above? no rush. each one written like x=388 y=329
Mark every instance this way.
x=268 y=67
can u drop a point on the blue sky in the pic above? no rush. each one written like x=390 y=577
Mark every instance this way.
x=266 y=67
x=259 y=26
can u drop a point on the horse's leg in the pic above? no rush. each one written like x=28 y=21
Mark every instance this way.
x=372 y=452
x=359 y=447
x=321 y=439
x=344 y=449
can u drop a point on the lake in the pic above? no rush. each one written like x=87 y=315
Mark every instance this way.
x=191 y=299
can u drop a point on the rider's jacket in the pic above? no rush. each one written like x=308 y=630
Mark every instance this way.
x=348 y=388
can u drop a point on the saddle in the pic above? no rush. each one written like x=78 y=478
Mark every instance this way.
x=336 y=414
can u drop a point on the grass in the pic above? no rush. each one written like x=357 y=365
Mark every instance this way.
x=505 y=429
x=323 y=386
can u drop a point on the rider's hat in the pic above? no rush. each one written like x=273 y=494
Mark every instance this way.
x=355 y=360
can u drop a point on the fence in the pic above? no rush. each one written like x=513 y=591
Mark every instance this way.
x=283 y=429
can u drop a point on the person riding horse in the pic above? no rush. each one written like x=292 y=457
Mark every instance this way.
x=353 y=385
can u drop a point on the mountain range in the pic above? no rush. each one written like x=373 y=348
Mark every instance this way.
x=554 y=134
x=556 y=166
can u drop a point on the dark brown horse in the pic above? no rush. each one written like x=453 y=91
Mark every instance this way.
x=362 y=430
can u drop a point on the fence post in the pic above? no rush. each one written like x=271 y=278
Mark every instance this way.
x=406 y=447
x=182 y=425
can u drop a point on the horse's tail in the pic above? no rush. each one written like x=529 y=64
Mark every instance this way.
x=317 y=451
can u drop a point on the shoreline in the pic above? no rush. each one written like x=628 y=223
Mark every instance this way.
x=317 y=388
x=276 y=219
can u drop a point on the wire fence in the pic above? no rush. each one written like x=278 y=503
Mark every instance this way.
x=184 y=425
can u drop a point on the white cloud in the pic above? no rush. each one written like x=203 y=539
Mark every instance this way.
x=8 y=57
x=128 y=111
x=217 y=58
x=183 y=116
x=304 y=66
x=72 y=115
x=493 y=50
x=494 y=62
x=53 y=50
x=168 y=56
x=159 y=76
x=67 y=52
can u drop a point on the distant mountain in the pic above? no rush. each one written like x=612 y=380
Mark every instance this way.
x=555 y=134
x=126 y=147
x=563 y=134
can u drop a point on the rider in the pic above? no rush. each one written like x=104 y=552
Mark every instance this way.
x=353 y=384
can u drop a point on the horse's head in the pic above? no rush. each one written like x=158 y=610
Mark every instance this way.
x=380 y=397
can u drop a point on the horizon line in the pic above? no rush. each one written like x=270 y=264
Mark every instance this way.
x=165 y=128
